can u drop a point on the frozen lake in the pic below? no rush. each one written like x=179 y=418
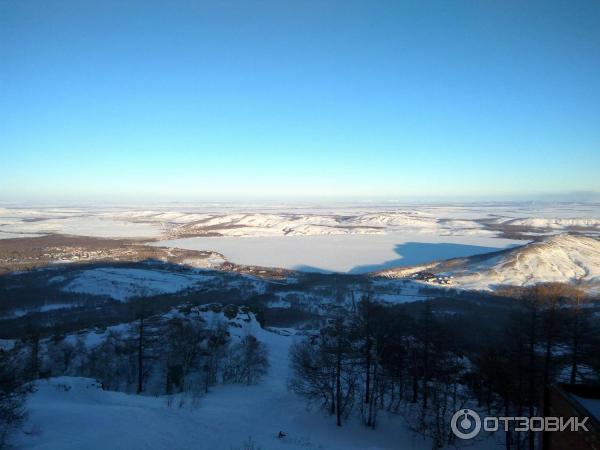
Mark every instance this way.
x=342 y=253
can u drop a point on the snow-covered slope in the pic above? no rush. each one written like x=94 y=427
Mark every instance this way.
x=74 y=413
x=554 y=223
x=124 y=283
x=562 y=258
x=261 y=224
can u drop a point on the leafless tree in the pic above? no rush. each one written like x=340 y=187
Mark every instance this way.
x=248 y=361
x=13 y=389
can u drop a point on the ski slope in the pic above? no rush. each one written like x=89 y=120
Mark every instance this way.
x=74 y=413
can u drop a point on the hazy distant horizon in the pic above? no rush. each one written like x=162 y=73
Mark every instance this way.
x=592 y=199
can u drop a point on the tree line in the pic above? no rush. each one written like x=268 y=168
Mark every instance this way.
x=158 y=354
x=425 y=363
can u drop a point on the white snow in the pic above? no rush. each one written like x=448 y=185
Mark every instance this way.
x=11 y=235
x=555 y=223
x=124 y=283
x=279 y=303
x=81 y=226
x=292 y=220
x=31 y=222
x=562 y=258
x=74 y=413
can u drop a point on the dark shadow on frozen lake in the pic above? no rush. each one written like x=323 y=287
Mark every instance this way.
x=412 y=253
x=350 y=254
x=312 y=269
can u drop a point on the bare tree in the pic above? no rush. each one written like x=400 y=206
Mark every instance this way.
x=323 y=369
x=13 y=390
x=214 y=352
x=578 y=329
x=184 y=338
x=312 y=371
x=61 y=354
x=248 y=361
x=109 y=362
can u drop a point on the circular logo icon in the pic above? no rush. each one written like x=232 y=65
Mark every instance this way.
x=465 y=424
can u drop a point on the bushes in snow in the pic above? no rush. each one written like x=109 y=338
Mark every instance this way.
x=183 y=351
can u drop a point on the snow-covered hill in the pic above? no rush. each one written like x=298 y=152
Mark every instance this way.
x=124 y=283
x=562 y=258
x=261 y=224
x=75 y=413
x=293 y=220
x=553 y=223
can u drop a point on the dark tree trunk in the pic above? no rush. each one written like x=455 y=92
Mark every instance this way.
x=368 y=368
x=575 y=347
x=338 y=388
x=415 y=379
x=140 y=383
x=531 y=370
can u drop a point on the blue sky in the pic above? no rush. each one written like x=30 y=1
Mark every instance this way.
x=186 y=100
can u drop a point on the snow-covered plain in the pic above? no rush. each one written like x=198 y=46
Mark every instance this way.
x=346 y=253
x=37 y=223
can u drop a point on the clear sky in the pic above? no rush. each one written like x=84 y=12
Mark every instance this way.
x=184 y=100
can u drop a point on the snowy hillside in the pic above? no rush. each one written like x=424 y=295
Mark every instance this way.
x=74 y=413
x=554 y=223
x=310 y=220
x=562 y=258
x=260 y=224
x=124 y=283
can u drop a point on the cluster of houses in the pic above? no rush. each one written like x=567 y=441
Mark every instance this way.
x=61 y=254
x=15 y=260
x=432 y=278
